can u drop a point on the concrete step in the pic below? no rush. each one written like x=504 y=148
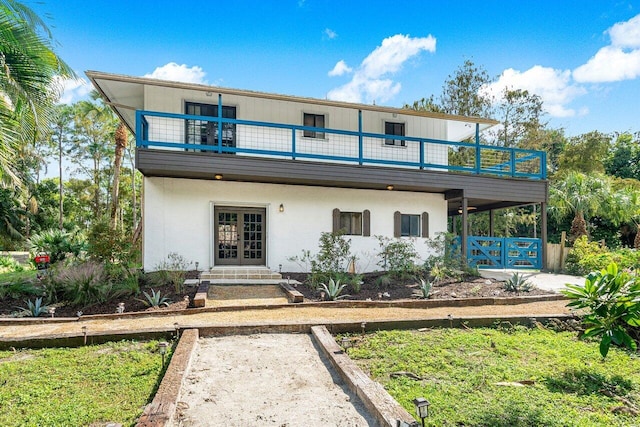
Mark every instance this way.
x=240 y=273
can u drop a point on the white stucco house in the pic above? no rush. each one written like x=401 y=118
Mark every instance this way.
x=242 y=178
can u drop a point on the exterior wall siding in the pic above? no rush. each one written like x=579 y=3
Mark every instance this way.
x=172 y=100
x=178 y=218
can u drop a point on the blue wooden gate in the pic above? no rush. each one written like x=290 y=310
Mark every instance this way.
x=504 y=252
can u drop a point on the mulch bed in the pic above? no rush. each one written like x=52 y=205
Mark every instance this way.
x=376 y=288
x=8 y=306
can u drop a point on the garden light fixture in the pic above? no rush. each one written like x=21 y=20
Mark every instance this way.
x=52 y=311
x=120 y=308
x=422 y=408
x=162 y=346
x=346 y=344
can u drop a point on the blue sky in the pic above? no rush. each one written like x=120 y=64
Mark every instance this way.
x=581 y=57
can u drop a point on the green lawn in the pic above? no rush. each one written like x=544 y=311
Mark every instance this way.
x=460 y=369
x=78 y=386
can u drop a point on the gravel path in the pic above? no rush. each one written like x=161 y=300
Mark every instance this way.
x=265 y=380
x=285 y=315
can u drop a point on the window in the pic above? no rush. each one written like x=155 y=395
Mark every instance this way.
x=316 y=121
x=352 y=223
x=391 y=128
x=205 y=132
x=410 y=225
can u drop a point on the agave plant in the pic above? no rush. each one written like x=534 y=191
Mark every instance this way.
x=518 y=283
x=425 y=288
x=333 y=290
x=154 y=300
x=34 y=308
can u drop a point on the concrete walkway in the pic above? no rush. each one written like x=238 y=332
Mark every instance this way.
x=546 y=281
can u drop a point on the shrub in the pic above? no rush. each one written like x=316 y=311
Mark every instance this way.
x=9 y=265
x=333 y=257
x=15 y=290
x=612 y=299
x=446 y=261
x=111 y=246
x=173 y=270
x=397 y=256
x=591 y=256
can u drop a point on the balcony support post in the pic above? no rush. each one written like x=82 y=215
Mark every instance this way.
x=219 y=123
x=360 y=148
x=464 y=235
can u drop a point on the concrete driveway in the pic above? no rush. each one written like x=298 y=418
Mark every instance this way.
x=547 y=281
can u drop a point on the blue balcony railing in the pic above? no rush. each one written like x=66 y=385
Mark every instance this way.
x=264 y=139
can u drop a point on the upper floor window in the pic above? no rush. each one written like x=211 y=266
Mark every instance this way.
x=205 y=132
x=316 y=121
x=393 y=128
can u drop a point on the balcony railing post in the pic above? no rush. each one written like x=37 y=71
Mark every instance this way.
x=543 y=165
x=293 y=143
x=478 y=163
x=421 y=154
x=360 y=148
x=138 y=127
x=219 y=123
x=512 y=159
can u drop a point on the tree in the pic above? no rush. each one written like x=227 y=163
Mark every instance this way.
x=623 y=159
x=520 y=114
x=94 y=126
x=28 y=88
x=585 y=153
x=121 y=140
x=61 y=130
x=461 y=94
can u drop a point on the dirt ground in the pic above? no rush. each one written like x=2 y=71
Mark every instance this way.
x=265 y=380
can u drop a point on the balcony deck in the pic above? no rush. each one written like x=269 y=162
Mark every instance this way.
x=166 y=131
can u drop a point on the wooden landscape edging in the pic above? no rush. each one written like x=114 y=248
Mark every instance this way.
x=161 y=410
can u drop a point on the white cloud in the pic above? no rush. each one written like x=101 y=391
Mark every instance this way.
x=626 y=34
x=330 y=34
x=553 y=86
x=179 y=73
x=339 y=69
x=371 y=80
x=618 y=61
x=72 y=90
x=610 y=64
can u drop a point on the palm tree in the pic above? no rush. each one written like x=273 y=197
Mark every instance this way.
x=580 y=195
x=121 y=139
x=29 y=80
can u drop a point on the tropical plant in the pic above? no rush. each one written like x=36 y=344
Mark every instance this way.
x=8 y=264
x=34 y=308
x=333 y=290
x=57 y=243
x=612 y=299
x=15 y=290
x=155 y=299
x=425 y=288
x=581 y=195
x=28 y=82
x=518 y=283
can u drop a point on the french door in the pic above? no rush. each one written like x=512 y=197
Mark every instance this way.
x=205 y=132
x=239 y=236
